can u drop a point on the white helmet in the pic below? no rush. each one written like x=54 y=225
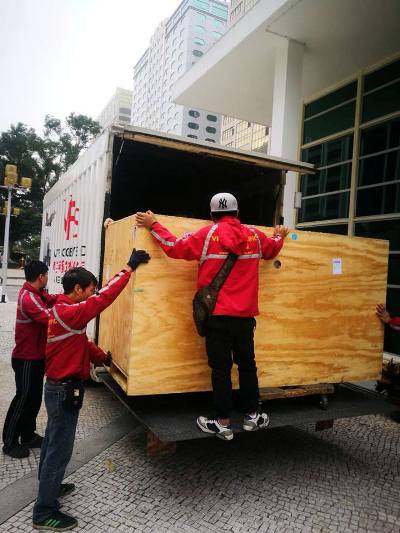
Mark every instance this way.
x=223 y=201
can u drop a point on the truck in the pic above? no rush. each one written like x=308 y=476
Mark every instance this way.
x=132 y=169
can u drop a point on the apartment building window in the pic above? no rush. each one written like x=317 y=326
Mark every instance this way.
x=200 y=17
x=197 y=53
x=199 y=41
x=210 y=129
x=201 y=4
x=220 y=11
x=193 y=125
x=193 y=113
x=199 y=29
x=192 y=136
x=212 y=118
x=228 y=133
x=210 y=140
x=218 y=23
x=217 y=34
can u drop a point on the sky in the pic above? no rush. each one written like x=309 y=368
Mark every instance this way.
x=63 y=56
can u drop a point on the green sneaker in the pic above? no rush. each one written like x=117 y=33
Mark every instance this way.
x=56 y=522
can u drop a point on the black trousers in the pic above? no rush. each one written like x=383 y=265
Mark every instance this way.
x=231 y=340
x=20 y=421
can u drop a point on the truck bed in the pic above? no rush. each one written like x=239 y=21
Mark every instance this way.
x=172 y=417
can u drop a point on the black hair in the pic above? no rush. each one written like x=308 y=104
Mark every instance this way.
x=33 y=269
x=77 y=276
x=216 y=215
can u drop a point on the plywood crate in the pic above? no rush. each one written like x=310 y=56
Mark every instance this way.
x=317 y=320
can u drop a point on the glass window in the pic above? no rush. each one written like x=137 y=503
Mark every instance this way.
x=125 y=110
x=200 y=17
x=197 y=53
x=373 y=140
x=326 y=207
x=210 y=140
x=212 y=118
x=201 y=4
x=217 y=34
x=379 y=168
x=192 y=136
x=199 y=41
x=394 y=269
x=326 y=180
x=193 y=113
x=218 y=23
x=331 y=100
x=193 y=125
x=199 y=29
x=210 y=129
x=220 y=11
x=331 y=122
x=330 y=152
x=339 y=229
x=382 y=76
x=378 y=200
x=381 y=102
x=380 y=229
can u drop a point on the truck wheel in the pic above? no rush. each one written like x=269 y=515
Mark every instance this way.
x=323 y=402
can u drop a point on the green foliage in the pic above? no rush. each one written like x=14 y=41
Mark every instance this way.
x=44 y=159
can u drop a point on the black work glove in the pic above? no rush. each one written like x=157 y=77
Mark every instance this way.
x=137 y=257
x=108 y=361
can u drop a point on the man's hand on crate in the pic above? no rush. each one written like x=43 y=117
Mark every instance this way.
x=382 y=313
x=137 y=257
x=107 y=222
x=145 y=220
x=281 y=231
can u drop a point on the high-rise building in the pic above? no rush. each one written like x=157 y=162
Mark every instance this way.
x=177 y=44
x=235 y=132
x=118 y=109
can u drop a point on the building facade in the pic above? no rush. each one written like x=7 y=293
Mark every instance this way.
x=238 y=133
x=177 y=44
x=352 y=134
x=118 y=109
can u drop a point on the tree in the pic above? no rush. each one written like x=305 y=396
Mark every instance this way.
x=43 y=159
x=69 y=141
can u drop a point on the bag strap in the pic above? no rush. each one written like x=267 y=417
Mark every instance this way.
x=223 y=272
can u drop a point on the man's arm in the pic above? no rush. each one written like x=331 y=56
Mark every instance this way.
x=271 y=246
x=33 y=307
x=97 y=355
x=188 y=247
x=81 y=313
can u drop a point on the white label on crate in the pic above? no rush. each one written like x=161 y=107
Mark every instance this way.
x=337 y=265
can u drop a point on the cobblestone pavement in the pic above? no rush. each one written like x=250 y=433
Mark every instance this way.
x=286 y=480
x=100 y=407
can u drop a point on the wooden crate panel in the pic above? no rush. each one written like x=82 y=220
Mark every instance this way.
x=314 y=326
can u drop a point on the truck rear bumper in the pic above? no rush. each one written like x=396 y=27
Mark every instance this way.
x=172 y=417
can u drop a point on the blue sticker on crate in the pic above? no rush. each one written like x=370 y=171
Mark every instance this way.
x=294 y=236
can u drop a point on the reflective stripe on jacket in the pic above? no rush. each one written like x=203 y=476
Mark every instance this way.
x=31 y=322
x=69 y=352
x=210 y=246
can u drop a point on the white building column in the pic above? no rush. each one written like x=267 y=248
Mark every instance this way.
x=286 y=115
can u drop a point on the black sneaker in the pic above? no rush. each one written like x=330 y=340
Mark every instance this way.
x=57 y=522
x=255 y=422
x=66 y=488
x=17 y=451
x=35 y=442
x=211 y=425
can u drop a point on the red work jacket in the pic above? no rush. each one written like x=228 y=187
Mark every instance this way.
x=31 y=322
x=210 y=246
x=69 y=352
x=394 y=322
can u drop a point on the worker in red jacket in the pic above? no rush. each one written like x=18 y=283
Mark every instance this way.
x=28 y=362
x=230 y=331
x=68 y=357
x=393 y=321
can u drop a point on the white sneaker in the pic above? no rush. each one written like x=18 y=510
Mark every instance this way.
x=255 y=422
x=211 y=425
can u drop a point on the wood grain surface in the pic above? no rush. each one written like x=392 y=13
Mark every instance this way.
x=314 y=326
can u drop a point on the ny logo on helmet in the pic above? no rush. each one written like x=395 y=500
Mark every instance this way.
x=223 y=203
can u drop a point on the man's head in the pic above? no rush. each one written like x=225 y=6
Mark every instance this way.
x=223 y=204
x=36 y=273
x=78 y=283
